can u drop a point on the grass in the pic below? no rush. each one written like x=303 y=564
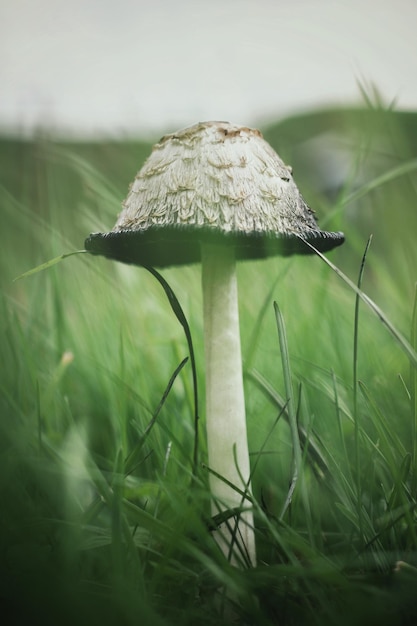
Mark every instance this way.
x=103 y=518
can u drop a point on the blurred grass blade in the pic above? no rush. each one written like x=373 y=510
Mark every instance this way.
x=402 y=342
x=293 y=422
x=244 y=493
x=117 y=547
x=179 y=313
x=386 y=177
x=386 y=433
x=316 y=459
x=48 y=264
x=258 y=324
x=355 y=390
x=356 y=326
x=133 y=457
x=399 y=489
x=289 y=394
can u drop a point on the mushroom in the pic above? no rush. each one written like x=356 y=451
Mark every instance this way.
x=216 y=192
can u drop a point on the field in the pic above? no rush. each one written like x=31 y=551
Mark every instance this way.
x=104 y=517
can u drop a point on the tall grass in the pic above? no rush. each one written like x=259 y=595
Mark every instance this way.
x=103 y=516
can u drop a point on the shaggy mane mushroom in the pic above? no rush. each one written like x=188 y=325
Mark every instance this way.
x=216 y=193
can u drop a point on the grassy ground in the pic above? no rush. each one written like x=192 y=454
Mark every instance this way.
x=101 y=518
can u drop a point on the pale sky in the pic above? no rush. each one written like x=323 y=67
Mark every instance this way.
x=116 y=68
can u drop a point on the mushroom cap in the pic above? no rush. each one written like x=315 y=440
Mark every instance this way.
x=213 y=182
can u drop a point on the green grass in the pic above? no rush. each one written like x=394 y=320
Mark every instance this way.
x=102 y=519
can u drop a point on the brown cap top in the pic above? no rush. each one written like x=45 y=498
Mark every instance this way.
x=214 y=182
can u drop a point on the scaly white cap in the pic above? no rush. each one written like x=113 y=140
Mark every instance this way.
x=212 y=182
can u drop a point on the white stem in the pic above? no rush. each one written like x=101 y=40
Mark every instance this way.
x=225 y=403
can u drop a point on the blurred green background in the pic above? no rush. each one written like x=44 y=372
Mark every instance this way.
x=89 y=345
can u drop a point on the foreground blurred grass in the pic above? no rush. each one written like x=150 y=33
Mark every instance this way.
x=98 y=521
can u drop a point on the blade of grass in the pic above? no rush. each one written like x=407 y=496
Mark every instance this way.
x=179 y=313
x=386 y=177
x=316 y=458
x=339 y=420
x=387 y=435
x=258 y=324
x=375 y=183
x=401 y=341
x=355 y=390
x=133 y=457
x=48 y=264
x=293 y=422
x=117 y=547
x=292 y=417
x=356 y=327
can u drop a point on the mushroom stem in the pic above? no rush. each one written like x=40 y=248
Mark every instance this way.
x=228 y=453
